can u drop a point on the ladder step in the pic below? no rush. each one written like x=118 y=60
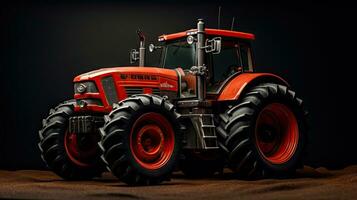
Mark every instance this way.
x=209 y=136
x=212 y=147
x=208 y=126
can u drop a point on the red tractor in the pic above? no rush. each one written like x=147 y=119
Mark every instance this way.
x=202 y=109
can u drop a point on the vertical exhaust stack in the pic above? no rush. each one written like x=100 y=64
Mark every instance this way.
x=201 y=83
x=141 y=48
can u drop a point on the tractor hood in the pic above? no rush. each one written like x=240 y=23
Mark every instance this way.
x=132 y=70
x=98 y=90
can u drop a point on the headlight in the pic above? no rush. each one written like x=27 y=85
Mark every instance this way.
x=82 y=103
x=83 y=87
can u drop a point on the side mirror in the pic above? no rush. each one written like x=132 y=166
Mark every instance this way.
x=190 y=39
x=213 y=46
x=134 y=56
x=152 y=47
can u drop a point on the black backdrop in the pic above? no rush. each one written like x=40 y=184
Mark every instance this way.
x=45 y=44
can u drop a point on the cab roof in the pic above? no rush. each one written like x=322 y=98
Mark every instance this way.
x=208 y=31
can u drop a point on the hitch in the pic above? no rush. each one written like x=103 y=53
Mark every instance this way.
x=82 y=125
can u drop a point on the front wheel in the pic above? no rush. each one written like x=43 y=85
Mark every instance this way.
x=69 y=156
x=265 y=133
x=141 y=140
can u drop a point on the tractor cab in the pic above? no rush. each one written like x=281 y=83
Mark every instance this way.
x=232 y=57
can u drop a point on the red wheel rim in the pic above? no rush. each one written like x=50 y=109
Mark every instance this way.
x=277 y=133
x=81 y=156
x=152 y=141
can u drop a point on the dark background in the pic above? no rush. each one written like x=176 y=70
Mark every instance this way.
x=45 y=44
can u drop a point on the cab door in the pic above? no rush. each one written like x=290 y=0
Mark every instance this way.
x=235 y=58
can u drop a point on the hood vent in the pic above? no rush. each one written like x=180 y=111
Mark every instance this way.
x=133 y=90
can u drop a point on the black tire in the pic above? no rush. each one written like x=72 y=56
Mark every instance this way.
x=53 y=150
x=196 y=165
x=117 y=134
x=237 y=135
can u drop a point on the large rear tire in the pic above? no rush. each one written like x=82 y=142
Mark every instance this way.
x=141 y=140
x=60 y=151
x=264 y=134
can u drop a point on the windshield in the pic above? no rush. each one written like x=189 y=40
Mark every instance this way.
x=178 y=54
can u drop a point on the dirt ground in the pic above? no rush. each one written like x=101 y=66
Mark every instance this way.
x=308 y=184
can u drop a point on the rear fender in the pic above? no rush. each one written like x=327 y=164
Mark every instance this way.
x=234 y=88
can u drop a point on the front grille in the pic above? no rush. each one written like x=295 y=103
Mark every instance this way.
x=133 y=90
x=109 y=89
x=85 y=124
x=138 y=90
x=156 y=91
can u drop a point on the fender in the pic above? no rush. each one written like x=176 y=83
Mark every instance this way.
x=237 y=85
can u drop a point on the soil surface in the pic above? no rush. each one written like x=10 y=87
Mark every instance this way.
x=307 y=184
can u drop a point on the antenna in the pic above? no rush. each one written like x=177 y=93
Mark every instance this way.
x=232 y=26
x=219 y=17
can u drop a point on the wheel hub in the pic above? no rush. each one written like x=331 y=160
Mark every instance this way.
x=81 y=150
x=277 y=133
x=152 y=140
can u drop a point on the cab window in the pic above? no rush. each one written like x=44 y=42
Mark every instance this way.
x=246 y=56
x=179 y=54
x=235 y=57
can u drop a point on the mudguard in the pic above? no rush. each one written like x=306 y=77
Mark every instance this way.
x=234 y=88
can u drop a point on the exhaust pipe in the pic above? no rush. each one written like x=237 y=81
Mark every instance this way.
x=141 y=48
x=201 y=83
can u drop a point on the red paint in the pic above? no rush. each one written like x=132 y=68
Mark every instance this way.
x=280 y=127
x=125 y=70
x=164 y=79
x=235 y=87
x=152 y=141
x=147 y=90
x=93 y=108
x=87 y=95
x=212 y=32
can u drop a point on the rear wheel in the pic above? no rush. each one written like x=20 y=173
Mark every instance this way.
x=276 y=133
x=68 y=156
x=141 y=140
x=265 y=133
